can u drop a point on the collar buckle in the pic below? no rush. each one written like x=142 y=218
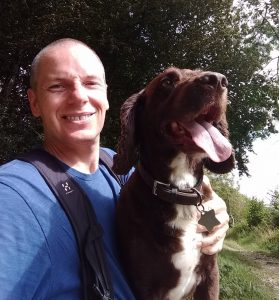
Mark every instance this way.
x=157 y=184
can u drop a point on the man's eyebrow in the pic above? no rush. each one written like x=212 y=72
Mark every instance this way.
x=55 y=77
x=97 y=78
x=94 y=77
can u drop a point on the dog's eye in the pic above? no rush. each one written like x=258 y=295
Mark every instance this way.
x=167 y=82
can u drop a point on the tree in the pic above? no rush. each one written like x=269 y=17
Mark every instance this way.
x=274 y=206
x=26 y=26
x=237 y=204
x=257 y=213
x=137 y=39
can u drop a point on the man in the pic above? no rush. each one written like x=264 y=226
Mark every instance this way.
x=39 y=256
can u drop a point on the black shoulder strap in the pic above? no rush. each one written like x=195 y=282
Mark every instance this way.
x=107 y=161
x=88 y=232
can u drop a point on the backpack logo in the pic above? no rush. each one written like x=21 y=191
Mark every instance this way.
x=67 y=187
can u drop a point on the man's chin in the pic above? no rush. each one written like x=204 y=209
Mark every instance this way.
x=85 y=137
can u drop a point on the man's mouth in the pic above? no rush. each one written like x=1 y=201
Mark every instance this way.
x=78 y=117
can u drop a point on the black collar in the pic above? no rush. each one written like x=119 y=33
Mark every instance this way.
x=169 y=193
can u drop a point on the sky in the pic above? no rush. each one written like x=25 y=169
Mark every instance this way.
x=264 y=163
x=263 y=168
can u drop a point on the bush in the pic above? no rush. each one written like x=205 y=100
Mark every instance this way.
x=275 y=218
x=238 y=231
x=275 y=209
x=257 y=214
x=236 y=202
x=272 y=243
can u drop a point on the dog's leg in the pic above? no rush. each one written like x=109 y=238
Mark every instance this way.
x=208 y=289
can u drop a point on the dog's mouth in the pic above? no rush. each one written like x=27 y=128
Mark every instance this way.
x=201 y=132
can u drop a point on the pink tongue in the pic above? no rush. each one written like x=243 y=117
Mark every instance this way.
x=207 y=137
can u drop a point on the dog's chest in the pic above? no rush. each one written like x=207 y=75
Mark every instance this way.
x=186 y=219
x=188 y=258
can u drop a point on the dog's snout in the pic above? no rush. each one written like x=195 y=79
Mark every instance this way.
x=214 y=79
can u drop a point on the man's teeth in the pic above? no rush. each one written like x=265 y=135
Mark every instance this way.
x=78 y=118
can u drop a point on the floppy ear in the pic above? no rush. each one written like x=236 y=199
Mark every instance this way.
x=224 y=166
x=127 y=155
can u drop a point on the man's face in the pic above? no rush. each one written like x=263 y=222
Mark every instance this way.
x=70 y=95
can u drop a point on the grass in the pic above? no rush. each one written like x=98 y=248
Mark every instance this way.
x=256 y=239
x=238 y=279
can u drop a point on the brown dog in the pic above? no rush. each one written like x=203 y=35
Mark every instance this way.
x=170 y=130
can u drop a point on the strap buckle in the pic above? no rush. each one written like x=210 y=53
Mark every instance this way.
x=156 y=184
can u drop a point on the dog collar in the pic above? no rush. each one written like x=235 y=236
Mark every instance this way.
x=170 y=193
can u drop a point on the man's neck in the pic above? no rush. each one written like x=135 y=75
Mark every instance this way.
x=84 y=158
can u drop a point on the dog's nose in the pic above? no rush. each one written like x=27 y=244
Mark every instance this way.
x=214 y=79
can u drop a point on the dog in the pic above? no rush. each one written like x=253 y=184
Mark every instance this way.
x=170 y=130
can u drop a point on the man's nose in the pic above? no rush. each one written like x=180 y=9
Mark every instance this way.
x=79 y=93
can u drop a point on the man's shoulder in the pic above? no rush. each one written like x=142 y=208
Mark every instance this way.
x=18 y=174
x=16 y=167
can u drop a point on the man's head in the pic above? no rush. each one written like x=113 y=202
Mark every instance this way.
x=68 y=92
x=61 y=42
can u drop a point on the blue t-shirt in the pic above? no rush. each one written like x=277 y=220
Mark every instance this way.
x=38 y=252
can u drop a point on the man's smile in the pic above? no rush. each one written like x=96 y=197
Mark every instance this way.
x=82 y=117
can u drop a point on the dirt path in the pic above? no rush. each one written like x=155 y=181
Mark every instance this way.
x=268 y=270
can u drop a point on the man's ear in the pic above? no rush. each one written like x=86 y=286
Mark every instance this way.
x=33 y=103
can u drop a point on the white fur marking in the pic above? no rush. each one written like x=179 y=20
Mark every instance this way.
x=182 y=171
x=186 y=260
x=187 y=219
x=180 y=175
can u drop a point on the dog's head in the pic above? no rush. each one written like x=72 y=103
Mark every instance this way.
x=179 y=109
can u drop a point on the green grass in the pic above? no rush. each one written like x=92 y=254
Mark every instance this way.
x=271 y=243
x=256 y=239
x=238 y=279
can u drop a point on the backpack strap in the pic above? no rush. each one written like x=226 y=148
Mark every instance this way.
x=107 y=161
x=88 y=232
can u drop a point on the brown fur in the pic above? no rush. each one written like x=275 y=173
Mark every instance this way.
x=146 y=241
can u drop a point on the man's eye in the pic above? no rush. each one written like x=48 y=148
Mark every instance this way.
x=91 y=83
x=56 y=87
x=94 y=84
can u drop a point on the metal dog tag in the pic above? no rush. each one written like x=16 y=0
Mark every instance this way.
x=208 y=219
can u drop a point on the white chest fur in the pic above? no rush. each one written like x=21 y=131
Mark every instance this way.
x=187 y=259
x=187 y=219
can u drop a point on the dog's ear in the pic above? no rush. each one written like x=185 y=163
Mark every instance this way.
x=127 y=154
x=227 y=165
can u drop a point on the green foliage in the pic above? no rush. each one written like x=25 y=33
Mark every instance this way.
x=255 y=223
x=193 y=34
x=237 y=204
x=274 y=204
x=237 y=280
x=239 y=231
x=252 y=238
x=259 y=238
x=271 y=242
x=257 y=214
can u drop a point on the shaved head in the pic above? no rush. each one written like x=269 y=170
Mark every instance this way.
x=66 y=42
